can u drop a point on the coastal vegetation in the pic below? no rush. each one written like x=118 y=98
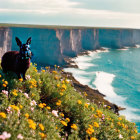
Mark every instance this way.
x=47 y=106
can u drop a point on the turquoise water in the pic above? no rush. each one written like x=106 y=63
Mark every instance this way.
x=115 y=73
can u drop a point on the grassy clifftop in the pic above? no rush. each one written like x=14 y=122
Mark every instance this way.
x=46 y=106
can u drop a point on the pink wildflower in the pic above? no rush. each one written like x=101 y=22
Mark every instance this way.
x=5 y=92
x=9 y=110
x=20 y=136
x=33 y=103
x=5 y=135
x=55 y=113
x=120 y=136
x=26 y=95
x=28 y=77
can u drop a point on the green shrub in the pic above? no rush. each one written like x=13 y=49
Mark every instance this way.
x=46 y=106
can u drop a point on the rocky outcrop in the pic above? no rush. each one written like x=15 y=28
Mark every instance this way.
x=5 y=40
x=51 y=45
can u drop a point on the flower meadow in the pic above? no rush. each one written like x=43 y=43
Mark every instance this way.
x=46 y=106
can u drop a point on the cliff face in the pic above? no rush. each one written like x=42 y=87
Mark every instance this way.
x=5 y=40
x=51 y=46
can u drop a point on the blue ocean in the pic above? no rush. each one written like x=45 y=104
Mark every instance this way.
x=116 y=74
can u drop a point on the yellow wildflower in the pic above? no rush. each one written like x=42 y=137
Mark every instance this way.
x=0 y=76
x=132 y=137
x=74 y=126
x=42 y=135
x=61 y=93
x=43 y=70
x=4 y=85
x=48 y=107
x=20 y=79
x=61 y=114
x=5 y=82
x=15 y=107
x=32 y=124
x=86 y=105
x=41 y=127
x=41 y=105
x=99 y=113
x=64 y=123
x=85 y=93
x=92 y=108
x=64 y=87
x=119 y=118
x=54 y=72
x=68 y=119
x=14 y=92
x=96 y=124
x=27 y=115
x=58 y=85
x=79 y=102
x=20 y=106
x=135 y=131
x=90 y=131
x=93 y=138
x=3 y=115
x=56 y=77
x=67 y=81
x=58 y=103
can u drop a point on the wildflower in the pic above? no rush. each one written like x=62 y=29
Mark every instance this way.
x=79 y=102
x=58 y=103
x=120 y=136
x=99 y=113
x=5 y=92
x=32 y=124
x=0 y=76
x=5 y=135
x=56 y=77
x=54 y=72
x=119 y=118
x=27 y=115
x=135 y=131
x=4 y=85
x=55 y=113
x=93 y=138
x=132 y=137
x=61 y=93
x=64 y=87
x=64 y=123
x=74 y=126
x=85 y=93
x=20 y=136
x=9 y=110
x=86 y=105
x=41 y=127
x=67 y=81
x=48 y=107
x=96 y=124
x=26 y=95
x=46 y=68
x=15 y=107
x=41 y=105
x=32 y=109
x=68 y=119
x=28 y=77
x=90 y=131
x=33 y=103
x=43 y=70
x=58 y=85
x=20 y=106
x=3 y=115
x=20 y=79
x=109 y=107
x=14 y=92
x=92 y=108
x=42 y=135
x=61 y=114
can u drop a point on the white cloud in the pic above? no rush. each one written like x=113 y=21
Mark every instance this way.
x=68 y=10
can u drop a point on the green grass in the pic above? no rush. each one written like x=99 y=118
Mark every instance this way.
x=59 y=112
x=57 y=26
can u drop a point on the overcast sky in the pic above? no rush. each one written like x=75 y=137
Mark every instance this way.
x=99 y=13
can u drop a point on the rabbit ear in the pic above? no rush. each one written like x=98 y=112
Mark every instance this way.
x=19 y=43
x=28 y=41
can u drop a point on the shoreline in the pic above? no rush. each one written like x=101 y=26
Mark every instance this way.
x=92 y=94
